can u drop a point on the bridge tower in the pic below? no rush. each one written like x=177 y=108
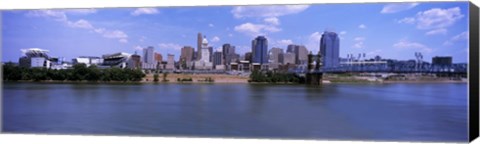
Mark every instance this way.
x=314 y=75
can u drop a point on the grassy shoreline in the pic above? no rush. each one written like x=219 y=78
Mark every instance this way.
x=241 y=82
x=235 y=79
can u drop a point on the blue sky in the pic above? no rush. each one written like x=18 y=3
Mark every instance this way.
x=391 y=30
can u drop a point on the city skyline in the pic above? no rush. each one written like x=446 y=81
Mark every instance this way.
x=394 y=31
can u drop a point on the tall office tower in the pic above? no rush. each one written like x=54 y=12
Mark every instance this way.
x=259 y=50
x=148 y=55
x=187 y=54
x=248 y=56
x=149 y=58
x=291 y=48
x=228 y=52
x=134 y=62
x=330 y=49
x=199 y=46
x=217 y=58
x=210 y=52
x=204 y=62
x=300 y=52
x=170 y=62
x=186 y=57
x=158 y=57
x=288 y=58
x=274 y=56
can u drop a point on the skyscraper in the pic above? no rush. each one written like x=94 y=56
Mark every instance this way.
x=228 y=52
x=288 y=58
x=170 y=62
x=330 y=49
x=199 y=46
x=259 y=50
x=217 y=58
x=204 y=62
x=275 y=56
x=301 y=55
x=149 y=58
x=187 y=53
x=210 y=52
x=148 y=55
x=158 y=57
x=291 y=48
x=186 y=57
x=300 y=52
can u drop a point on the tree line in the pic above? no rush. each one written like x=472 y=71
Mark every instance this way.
x=274 y=77
x=79 y=72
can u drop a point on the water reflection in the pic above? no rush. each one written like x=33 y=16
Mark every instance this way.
x=426 y=112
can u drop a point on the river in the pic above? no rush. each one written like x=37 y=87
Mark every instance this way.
x=384 y=112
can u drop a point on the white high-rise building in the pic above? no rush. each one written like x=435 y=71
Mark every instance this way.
x=149 y=58
x=204 y=62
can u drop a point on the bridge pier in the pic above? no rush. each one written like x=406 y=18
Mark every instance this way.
x=313 y=78
x=313 y=75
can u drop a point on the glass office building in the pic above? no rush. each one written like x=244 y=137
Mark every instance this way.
x=330 y=49
x=260 y=50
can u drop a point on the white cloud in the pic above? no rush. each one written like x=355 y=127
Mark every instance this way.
x=407 y=45
x=462 y=36
x=362 y=26
x=374 y=52
x=57 y=15
x=438 y=18
x=138 y=48
x=61 y=16
x=313 y=42
x=123 y=41
x=142 y=39
x=437 y=31
x=435 y=18
x=255 y=29
x=84 y=24
x=99 y=30
x=284 y=42
x=115 y=34
x=230 y=35
x=170 y=46
x=359 y=42
x=359 y=39
x=81 y=11
x=211 y=25
x=341 y=34
x=267 y=11
x=140 y=11
x=215 y=39
x=272 y=20
x=407 y=20
x=393 y=8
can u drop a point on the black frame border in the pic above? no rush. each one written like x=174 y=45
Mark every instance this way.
x=473 y=110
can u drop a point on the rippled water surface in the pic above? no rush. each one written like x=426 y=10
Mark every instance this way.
x=399 y=112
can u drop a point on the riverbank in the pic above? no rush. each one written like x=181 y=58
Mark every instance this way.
x=367 y=79
x=234 y=79
x=196 y=78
